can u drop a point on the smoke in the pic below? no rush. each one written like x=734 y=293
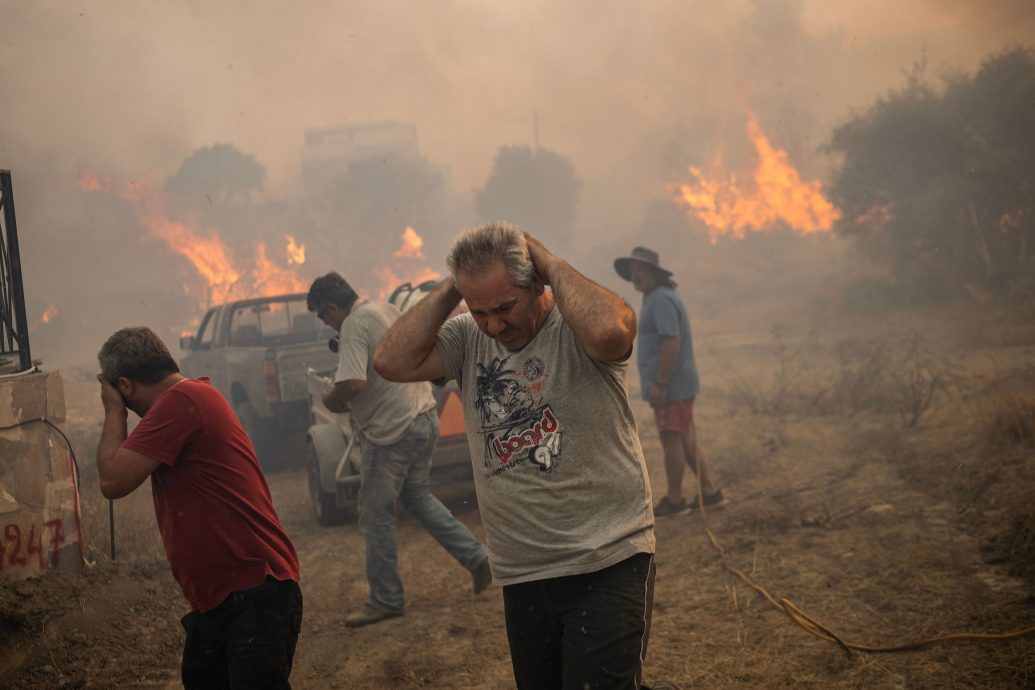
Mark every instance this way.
x=631 y=93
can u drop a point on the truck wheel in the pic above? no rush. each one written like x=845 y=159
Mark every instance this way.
x=325 y=508
x=263 y=435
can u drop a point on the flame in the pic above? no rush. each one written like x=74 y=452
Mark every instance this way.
x=391 y=279
x=271 y=279
x=411 y=246
x=223 y=279
x=775 y=194
x=295 y=251
x=49 y=314
x=398 y=272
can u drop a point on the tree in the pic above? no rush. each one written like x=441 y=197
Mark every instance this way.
x=388 y=192
x=534 y=188
x=940 y=183
x=218 y=174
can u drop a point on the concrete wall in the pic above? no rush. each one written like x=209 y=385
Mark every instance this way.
x=39 y=497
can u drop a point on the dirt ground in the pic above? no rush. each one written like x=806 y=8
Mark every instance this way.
x=886 y=528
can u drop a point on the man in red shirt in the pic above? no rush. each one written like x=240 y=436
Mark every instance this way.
x=228 y=551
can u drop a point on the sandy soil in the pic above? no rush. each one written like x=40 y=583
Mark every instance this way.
x=886 y=533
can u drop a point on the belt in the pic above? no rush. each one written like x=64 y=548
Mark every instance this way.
x=259 y=591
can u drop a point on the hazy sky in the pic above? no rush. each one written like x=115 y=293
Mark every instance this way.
x=129 y=85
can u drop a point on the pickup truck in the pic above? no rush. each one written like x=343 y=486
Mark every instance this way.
x=333 y=458
x=256 y=351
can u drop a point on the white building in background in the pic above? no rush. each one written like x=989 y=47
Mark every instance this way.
x=328 y=151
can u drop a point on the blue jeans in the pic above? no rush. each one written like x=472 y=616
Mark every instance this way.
x=400 y=471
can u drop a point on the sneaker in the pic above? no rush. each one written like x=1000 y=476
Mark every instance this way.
x=367 y=615
x=481 y=576
x=716 y=500
x=665 y=507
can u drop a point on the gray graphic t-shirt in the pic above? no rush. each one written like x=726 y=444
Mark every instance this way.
x=561 y=480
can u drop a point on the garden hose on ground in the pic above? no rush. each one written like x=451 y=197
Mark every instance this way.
x=810 y=624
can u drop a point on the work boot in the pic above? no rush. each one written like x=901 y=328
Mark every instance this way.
x=368 y=614
x=481 y=576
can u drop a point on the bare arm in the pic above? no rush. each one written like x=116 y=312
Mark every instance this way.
x=407 y=352
x=603 y=322
x=121 y=470
x=337 y=399
x=658 y=394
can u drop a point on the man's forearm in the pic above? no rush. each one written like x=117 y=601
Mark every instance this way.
x=667 y=360
x=604 y=323
x=411 y=338
x=113 y=433
x=339 y=397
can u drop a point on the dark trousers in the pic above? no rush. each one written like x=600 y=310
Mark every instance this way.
x=583 y=631
x=246 y=642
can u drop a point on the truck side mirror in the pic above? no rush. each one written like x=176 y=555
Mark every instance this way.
x=186 y=342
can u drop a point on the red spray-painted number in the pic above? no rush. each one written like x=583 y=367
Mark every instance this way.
x=11 y=546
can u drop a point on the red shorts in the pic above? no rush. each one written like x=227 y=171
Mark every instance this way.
x=676 y=415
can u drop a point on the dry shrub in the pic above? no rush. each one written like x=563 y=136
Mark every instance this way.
x=1012 y=423
x=917 y=377
x=793 y=387
x=1009 y=435
x=884 y=374
x=861 y=378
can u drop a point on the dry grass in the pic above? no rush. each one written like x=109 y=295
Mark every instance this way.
x=1012 y=423
x=897 y=374
x=883 y=531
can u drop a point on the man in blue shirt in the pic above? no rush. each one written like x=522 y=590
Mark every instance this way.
x=668 y=377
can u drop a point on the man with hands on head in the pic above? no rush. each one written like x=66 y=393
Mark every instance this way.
x=560 y=476
x=229 y=553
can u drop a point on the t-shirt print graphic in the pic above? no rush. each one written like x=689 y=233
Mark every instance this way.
x=515 y=423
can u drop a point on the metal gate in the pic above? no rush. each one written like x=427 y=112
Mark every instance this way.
x=14 y=329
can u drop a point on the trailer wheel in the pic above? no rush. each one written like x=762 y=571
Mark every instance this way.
x=325 y=508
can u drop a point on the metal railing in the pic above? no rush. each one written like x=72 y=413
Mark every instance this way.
x=14 y=329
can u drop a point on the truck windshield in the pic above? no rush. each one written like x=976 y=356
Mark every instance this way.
x=275 y=323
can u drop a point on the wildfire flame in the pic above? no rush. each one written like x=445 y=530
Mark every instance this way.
x=411 y=246
x=271 y=279
x=208 y=254
x=49 y=314
x=295 y=251
x=775 y=194
x=393 y=276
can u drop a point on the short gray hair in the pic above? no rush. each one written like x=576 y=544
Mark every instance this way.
x=476 y=250
x=138 y=354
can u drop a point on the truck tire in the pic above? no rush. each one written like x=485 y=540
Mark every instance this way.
x=263 y=434
x=325 y=508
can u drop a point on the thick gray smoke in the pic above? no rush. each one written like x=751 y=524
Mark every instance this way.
x=630 y=94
